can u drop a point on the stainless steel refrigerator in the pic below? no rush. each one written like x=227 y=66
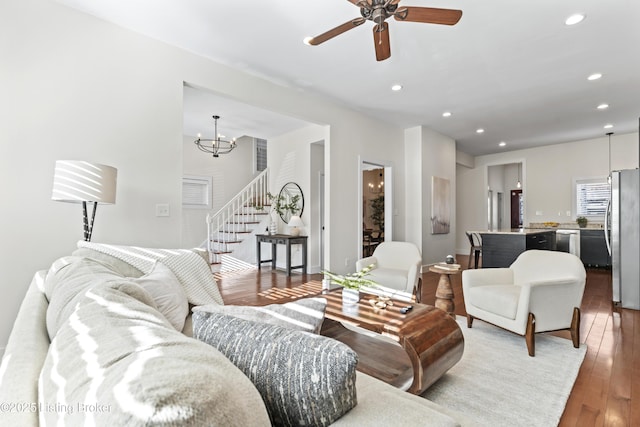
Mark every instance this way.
x=622 y=231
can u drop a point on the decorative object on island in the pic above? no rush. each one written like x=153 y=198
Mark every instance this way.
x=582 y=221
x=295 y=223
x=217 y=145
x=440 y=205
x=352 y=283
x=78 y=181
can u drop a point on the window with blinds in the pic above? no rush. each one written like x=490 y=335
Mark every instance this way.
x=261 y=154
x=196 y=192
x=592 y=197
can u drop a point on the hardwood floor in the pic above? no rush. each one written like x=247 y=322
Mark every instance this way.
x=606 y=392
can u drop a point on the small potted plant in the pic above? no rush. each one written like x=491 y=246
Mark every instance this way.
x=582 y=221
x=352 y=283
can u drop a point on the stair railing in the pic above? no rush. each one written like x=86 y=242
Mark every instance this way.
x=224 y=225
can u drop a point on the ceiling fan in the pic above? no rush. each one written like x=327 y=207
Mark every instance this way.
x=378 y=11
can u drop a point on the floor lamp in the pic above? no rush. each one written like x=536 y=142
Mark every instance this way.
x=78 y=181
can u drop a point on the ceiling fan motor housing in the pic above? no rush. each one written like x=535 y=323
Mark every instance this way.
x=377 y=11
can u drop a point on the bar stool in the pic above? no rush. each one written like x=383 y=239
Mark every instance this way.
x=476 y=248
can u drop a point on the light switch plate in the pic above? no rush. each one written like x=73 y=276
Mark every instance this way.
x=162 y=209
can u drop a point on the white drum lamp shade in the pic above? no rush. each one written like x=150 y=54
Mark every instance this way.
x=295 y=222
x=77 y=181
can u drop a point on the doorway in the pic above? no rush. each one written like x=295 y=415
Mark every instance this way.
x=375 y=208
x=516 y=208
x=503 y=208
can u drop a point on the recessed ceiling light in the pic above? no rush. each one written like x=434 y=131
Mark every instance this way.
x=603 y=106
x=575 y=19
x=594 y=76
x=396 y=88
x=502 y=144
x=446 y=114
x=307 y=40
x=480 y=130
x=608 y=126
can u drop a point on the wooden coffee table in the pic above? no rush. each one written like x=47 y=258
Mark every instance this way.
x=431 y=338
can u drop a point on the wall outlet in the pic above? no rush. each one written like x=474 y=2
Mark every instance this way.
x=568 y=213
x=346 y=262
x=162 y=209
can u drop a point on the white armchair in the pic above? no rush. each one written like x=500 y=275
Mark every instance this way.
x=541 y=291
x=398 y=266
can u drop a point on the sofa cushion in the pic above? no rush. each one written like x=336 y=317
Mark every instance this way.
x=305 y=314
x=167 y=293
x=497 y=299
x=188 y=265
x=66 y=282
x=119 y=266
x=304 y=379
x=116 y=361
x=380 y=404
x=70 y=277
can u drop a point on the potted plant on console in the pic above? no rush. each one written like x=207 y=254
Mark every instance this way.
x=351 y=283
x=283 y=208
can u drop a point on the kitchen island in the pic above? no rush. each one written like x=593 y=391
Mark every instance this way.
x=501 y=248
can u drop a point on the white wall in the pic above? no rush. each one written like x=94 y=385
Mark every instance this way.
x=230 y=173
x=548 y=173
x=428 y=154
x=290 y=160
x=75 y=87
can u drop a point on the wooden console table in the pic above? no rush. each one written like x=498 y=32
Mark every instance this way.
x=282 y=239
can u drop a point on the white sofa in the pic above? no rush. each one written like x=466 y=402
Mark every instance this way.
x=199 y=386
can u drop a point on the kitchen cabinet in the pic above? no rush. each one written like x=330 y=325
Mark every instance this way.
x=500 y=249
x=593 y=248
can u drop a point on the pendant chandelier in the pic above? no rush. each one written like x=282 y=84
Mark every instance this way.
x=215 y=146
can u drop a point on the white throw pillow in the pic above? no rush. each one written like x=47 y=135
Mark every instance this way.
x=167 y=293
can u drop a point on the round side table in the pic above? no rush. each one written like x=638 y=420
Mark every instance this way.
x=444 y=292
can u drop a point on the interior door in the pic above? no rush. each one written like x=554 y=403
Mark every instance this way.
x=516 y=208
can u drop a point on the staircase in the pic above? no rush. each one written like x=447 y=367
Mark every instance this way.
x=238 y=220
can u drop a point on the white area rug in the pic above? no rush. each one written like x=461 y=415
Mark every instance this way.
x=496 y=383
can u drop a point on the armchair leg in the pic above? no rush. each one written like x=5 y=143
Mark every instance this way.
x=575 y=327
x=419 y=290
x=469 y=320
x=530 y=334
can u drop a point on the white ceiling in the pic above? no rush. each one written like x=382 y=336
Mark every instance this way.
x=510 y=67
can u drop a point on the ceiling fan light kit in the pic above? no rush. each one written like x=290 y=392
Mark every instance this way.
x=378 y=11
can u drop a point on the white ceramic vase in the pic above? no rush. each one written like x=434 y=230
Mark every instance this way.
x=350 y=296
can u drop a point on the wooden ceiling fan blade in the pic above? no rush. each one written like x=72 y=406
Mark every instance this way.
x=429 y=15
x=381 y=41
x=314 y=41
